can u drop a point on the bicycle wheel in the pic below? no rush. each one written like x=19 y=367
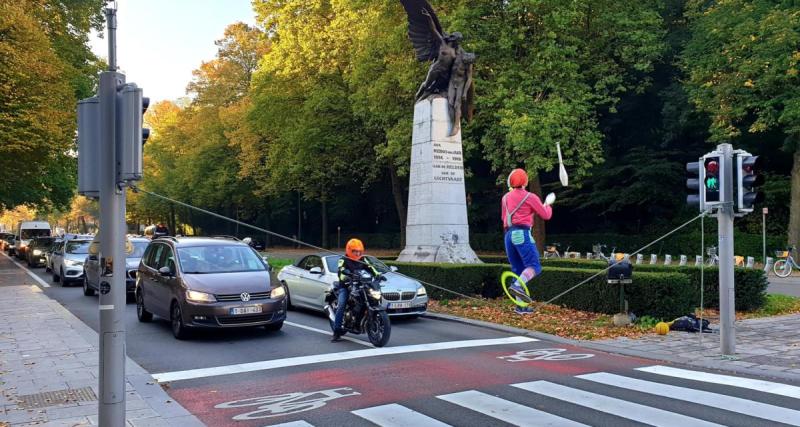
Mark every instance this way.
x=782 y=268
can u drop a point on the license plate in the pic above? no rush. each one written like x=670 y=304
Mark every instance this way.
x=251 y=309
x=399 y=305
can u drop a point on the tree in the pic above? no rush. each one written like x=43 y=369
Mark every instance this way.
x=743 y=66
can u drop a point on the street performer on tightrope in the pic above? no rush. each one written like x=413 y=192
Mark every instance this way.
x=518 y=208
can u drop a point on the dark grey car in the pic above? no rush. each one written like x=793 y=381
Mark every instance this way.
x=207 y=283
x=38 y=248
x=91 y=277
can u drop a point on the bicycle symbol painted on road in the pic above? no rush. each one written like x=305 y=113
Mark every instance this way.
x=286 y=404
x=551 y=354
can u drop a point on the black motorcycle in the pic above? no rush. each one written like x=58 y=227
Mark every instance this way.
x=364 y=311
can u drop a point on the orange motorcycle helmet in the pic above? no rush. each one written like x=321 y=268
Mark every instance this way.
x=353 y=246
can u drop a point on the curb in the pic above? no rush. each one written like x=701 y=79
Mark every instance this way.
x=707 y=363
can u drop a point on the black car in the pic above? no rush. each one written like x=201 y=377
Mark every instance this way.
x=37 y=250
x=91 y=268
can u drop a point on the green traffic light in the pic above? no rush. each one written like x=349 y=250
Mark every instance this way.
x=712 y=183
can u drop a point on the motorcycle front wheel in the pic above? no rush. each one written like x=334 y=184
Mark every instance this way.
x=378 y=328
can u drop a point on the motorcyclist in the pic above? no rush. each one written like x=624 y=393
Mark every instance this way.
x=352 y=262
x=518 y=208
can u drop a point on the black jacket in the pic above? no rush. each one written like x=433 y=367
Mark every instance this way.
x=348 y=267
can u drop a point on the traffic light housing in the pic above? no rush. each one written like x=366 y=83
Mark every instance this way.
x=748 y=179
x=694 y=176
x=89 y=147
x=713 y=180
x=131 y=136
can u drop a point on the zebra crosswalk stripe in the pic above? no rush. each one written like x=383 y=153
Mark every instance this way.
x=721 y=401
x=505 y=410
x=613 y=406
x=293 y=424
x=751 y=384
x=394 y=415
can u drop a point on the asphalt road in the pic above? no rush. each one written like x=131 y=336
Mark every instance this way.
x=786 y=286
x=432 y=373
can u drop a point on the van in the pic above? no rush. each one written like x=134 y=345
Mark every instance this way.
x=27 y=230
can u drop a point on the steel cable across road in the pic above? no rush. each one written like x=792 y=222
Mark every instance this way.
x=300 y=242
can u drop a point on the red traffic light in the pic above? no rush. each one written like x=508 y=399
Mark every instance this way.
x=712 y=167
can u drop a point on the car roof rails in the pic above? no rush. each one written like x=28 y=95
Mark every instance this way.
x=173 y=238
x=224 y=236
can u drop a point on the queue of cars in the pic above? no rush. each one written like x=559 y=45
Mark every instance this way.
x=209 y=282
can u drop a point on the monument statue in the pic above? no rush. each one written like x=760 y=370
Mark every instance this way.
x=450 y=73
x=436 y=228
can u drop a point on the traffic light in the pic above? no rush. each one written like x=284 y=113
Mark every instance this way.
x=89 y=147
x=694 y=176
x=131 y=136
x=712 y=179
x=748 y=177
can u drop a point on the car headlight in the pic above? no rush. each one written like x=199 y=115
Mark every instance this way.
x=37 y=252
x=277 y=292
x=197 y=296
x=375 y=294
x=421 y=291
x=71 y=263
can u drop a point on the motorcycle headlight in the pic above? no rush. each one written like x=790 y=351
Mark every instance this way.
x=197 y=296
x=37 y=252
x=277 y=292
x=375 y=294
x=421 y=291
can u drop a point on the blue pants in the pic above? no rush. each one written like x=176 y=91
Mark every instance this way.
x=343 y=295
x=521 y=250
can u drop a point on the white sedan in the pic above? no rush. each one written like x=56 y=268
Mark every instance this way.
x=310 y=277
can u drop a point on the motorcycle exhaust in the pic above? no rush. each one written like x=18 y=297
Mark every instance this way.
x=331 y=314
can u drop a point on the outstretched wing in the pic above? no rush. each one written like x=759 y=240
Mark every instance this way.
x=426 y=44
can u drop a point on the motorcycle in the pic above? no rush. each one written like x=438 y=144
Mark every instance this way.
x=364 y=311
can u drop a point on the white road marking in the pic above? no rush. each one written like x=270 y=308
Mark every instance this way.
x=505 y=410
x=30 y=273
x=394 y=415
x=714 y=400
x=107 y=307
x=759 y=385
x=610 y=405
x=293 y=424
x=328 y=333
x=331 y=357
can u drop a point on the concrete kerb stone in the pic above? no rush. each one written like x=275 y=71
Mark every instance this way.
x=710 y=361
x=152 y=401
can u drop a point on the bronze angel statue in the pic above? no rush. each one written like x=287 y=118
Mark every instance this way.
x=450 y=74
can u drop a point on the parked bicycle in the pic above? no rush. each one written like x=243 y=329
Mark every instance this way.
x=551 y=251
x=783 y=267
x=598 y=252
x=713 y=258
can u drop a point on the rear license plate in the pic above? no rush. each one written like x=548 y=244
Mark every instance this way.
x=251 y=309
x=399 y=305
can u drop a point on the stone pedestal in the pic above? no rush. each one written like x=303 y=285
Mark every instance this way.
x=436 y=228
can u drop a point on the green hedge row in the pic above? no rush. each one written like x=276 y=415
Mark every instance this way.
x=679 y=244
x=658 y=291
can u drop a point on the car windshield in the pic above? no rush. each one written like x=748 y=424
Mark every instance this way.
x=78 y=247
x=34 y=232
x=333 y=263
x=138 y=249
x=42 y=243
x=219 y=259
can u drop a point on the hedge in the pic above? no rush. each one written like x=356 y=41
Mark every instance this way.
x=658 y=291
x=664 y=295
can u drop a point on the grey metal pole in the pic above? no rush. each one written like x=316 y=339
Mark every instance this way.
x=764 y=235
x=725 y=225
x=112 y=250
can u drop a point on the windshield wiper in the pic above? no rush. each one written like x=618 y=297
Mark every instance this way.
x=196 y=272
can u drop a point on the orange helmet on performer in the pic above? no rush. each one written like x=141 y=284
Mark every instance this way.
x=354 y=249
x=517 y=178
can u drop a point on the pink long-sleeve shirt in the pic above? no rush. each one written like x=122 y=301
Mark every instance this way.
x=523 y=217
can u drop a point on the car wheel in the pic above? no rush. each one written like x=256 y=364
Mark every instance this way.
x=28 y=261
x=86 y=289
x=141 y=313
x=274 y=327
x=178 y=328
x=55 y=277
x=61 y=277
x=289 y=305
x=46 y=268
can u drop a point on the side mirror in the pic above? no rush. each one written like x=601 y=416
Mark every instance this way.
x=393 y=268
x=164 y=271
x=315 y=270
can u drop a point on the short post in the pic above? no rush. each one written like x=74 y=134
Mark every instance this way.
x=764 y=212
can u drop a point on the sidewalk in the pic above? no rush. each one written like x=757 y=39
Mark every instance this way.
x=49 y=365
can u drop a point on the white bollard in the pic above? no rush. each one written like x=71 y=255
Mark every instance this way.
x=683 y=260
x=750 y=262
x=653 y=259
x=639 y=258
x=667 y=259
x=588 y=255
x=698 y=260
x=768 y=265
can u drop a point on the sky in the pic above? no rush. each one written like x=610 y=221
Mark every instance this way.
x=160 y=42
